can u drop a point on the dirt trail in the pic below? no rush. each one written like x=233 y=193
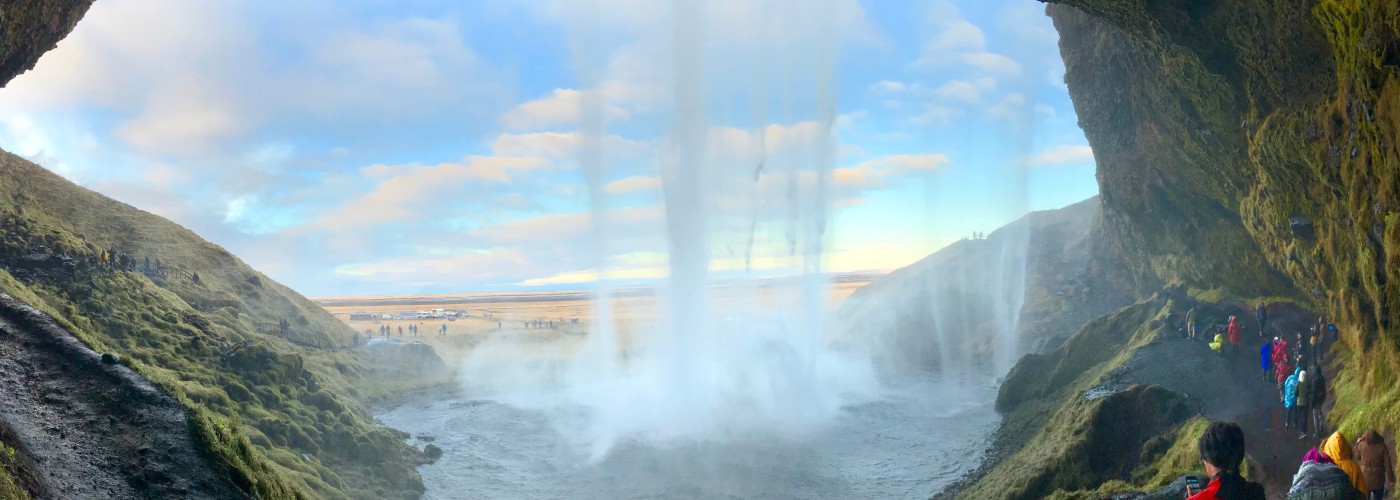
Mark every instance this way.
x=86 y=429
x=1228 y=387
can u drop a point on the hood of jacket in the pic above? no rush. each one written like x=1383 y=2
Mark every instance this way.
x=1337 y=447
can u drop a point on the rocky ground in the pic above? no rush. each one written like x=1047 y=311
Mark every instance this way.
x=86 y=428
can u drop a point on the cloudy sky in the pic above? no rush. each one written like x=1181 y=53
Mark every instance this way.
x=368 y=147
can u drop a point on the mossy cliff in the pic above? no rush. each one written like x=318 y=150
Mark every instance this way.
x=1251 y=146
x=280 y=406
x=1247 y=151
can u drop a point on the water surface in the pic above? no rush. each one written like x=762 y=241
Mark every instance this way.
x=918 y=436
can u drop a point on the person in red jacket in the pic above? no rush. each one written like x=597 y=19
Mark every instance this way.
x=1222 y=452
x=1234 y=331
x=1282 y=367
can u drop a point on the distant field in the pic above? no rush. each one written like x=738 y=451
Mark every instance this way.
x=506 y=314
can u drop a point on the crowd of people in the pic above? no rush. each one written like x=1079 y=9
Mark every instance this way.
x=1337 y=468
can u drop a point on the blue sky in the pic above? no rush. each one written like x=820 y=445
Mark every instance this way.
x=367 y=147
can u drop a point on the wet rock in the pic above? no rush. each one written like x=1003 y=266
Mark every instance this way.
x=1301 y=227
x=110 y=359
x=432 y=453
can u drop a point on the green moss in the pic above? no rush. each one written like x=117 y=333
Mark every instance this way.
x=183 y=337
x=1086 y=443
x=10 y=488
x=1179 y=458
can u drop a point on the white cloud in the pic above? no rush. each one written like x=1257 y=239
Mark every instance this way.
x=993 y=63
x=634 y=184
x=955 y=36
x=414 y=193
x=563 y=145
x=959 y=90
x=1010 y=107
x=887 y=87
x=615 y=100
x=935 y=114
x=1063 y=155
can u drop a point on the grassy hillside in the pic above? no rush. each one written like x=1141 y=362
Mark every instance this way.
x=281 y=407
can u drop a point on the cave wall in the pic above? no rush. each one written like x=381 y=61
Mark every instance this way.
x=29 y=28
x=1249 y=148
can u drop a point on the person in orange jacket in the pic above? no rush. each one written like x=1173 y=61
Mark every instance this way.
x=1337 y=448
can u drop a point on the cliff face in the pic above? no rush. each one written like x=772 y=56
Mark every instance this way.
x=1250 y=147
x=1247 y=152
x=29 y=28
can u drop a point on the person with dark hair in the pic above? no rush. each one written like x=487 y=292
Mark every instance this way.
x=1319 y=396
x=1222 y=452
x=1375 y=463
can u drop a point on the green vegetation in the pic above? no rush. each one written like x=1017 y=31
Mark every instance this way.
x=1089 y=440
x=1085 y=443
x=282 y=412
x=10 y=488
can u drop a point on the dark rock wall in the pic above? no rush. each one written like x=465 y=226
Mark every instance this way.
x=29 y=28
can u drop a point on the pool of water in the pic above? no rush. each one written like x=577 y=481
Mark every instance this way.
x=910 y=441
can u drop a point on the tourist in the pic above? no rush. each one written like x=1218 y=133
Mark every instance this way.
x=1191 y=323
x=1339 y=451
x=1219 y=344
x=1303 y=395
x=1261 y=315
x=1266 y=359
x=1290 y=400
x=1283 y=367
x=1234 y=332
x=1222 y=451
x=1319 y=396
x=1319 y=478
x=1375 y=463
x=400 y=330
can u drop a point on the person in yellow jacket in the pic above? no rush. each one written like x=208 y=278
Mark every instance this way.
x=1337 y=448
x=1219 y=343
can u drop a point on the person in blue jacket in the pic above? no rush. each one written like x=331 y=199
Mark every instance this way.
x=1290 y=398
x=1266 y=360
